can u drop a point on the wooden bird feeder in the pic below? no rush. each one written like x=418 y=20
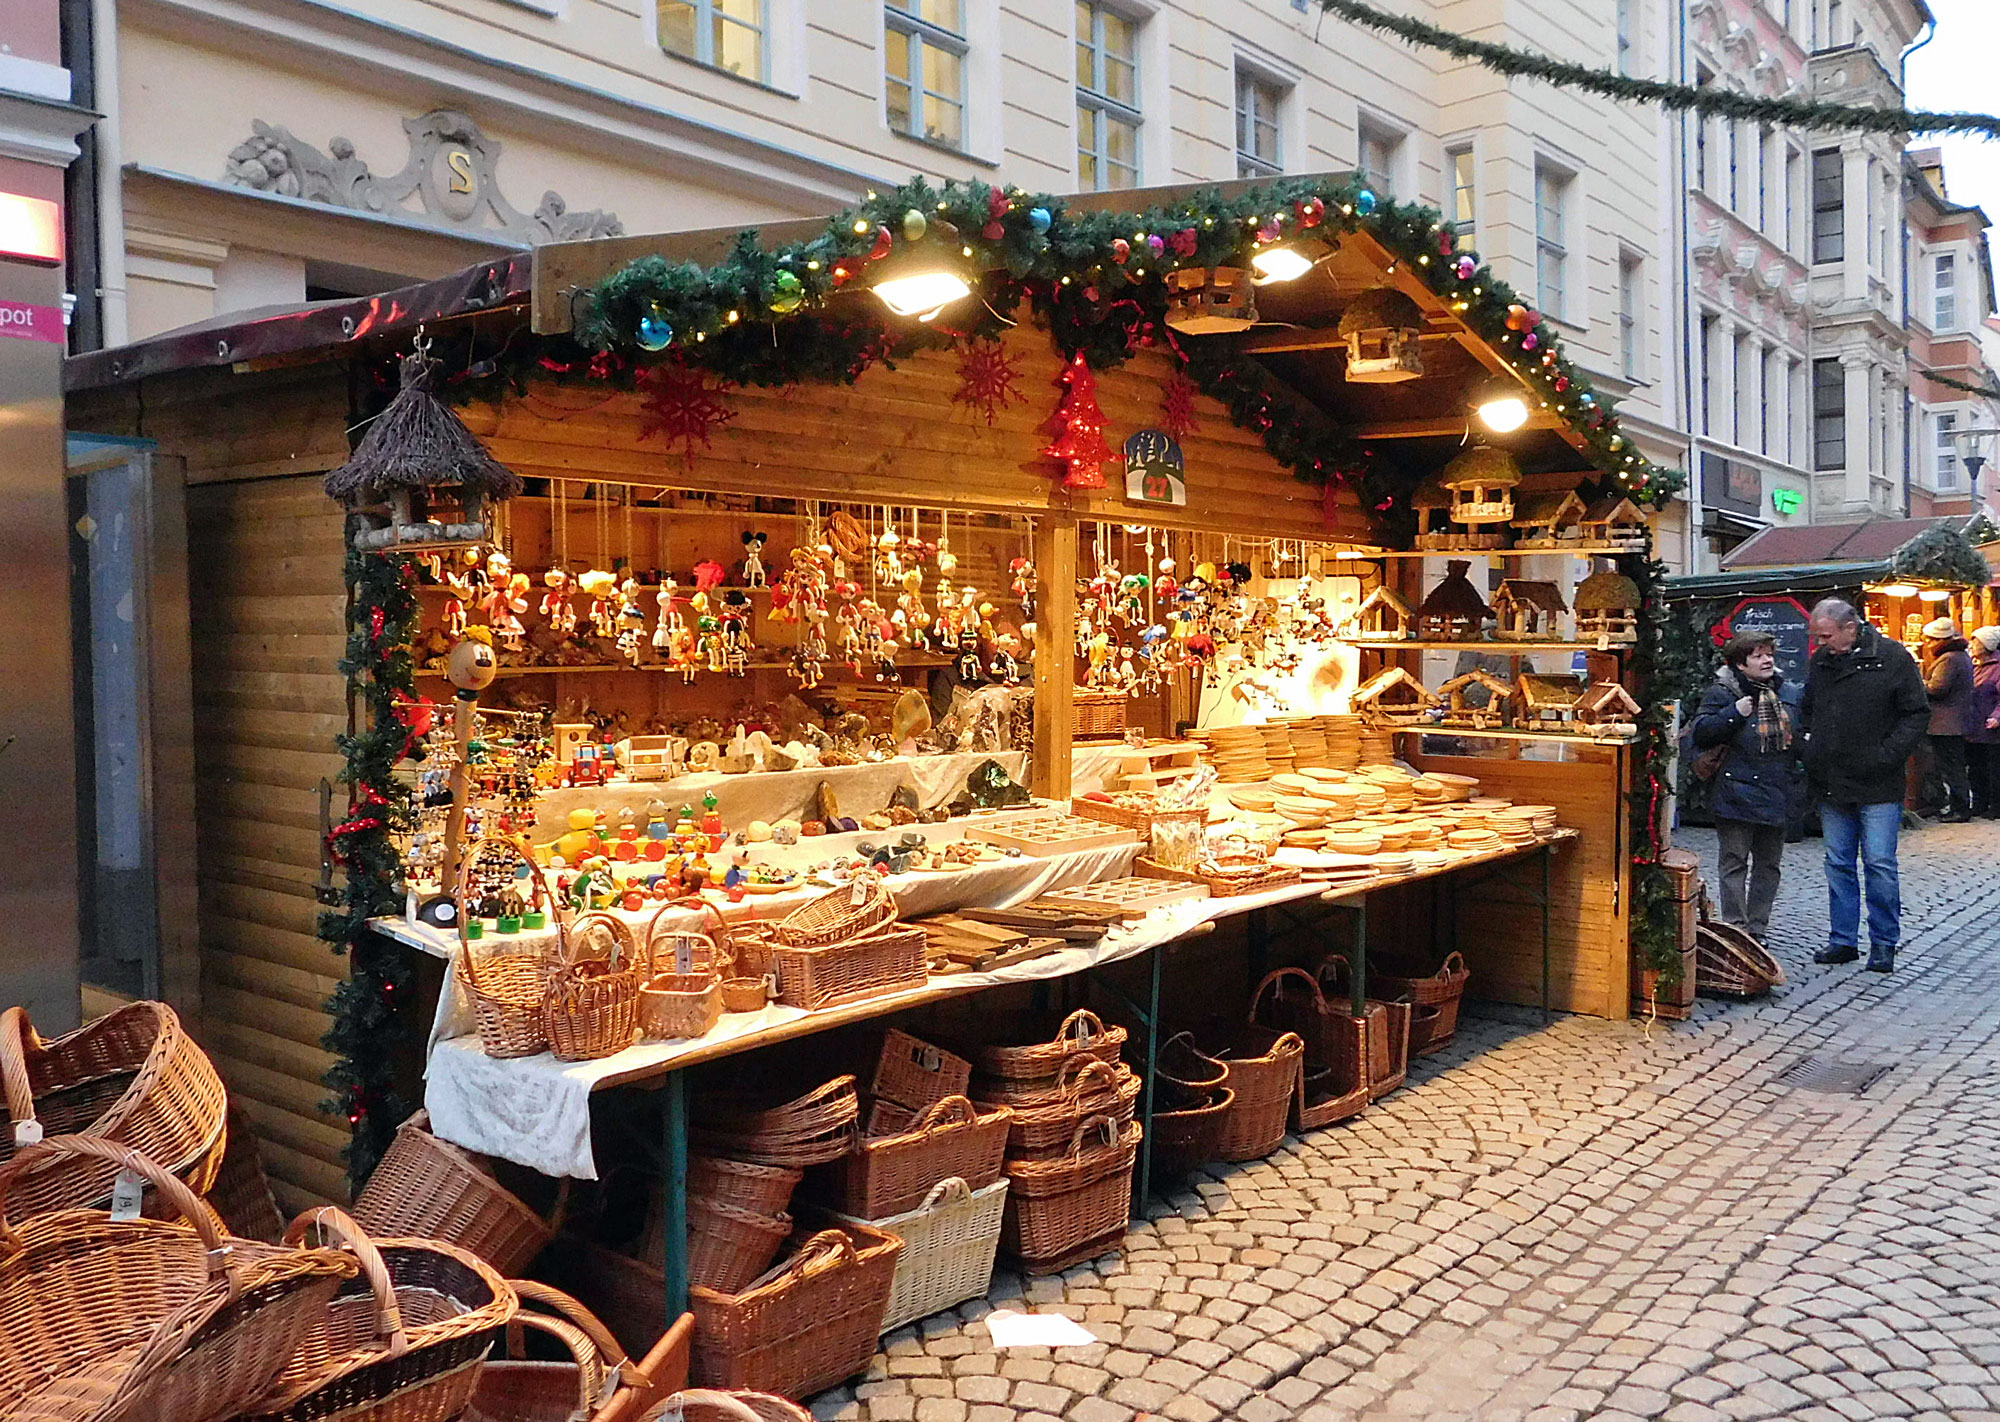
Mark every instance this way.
x=1381 y=328
x=1481 y=483
x=1526 y=608
x=1462 y=713
x=1393 y=697
x=1607 y=609
x=1203 y=301
x=1454 y=611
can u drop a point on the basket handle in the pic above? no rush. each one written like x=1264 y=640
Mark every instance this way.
x=624 y=945
x=952 y=1187
x=674 y=1409
x=937 y=1112
x=618 y=1367
x=1090 y=1026
x=337 y=1224
x=1287 y=1042
x=1276 y=979
x=1333 y=973
x=1078 y=1069
x=172 y=1189
x=18 y=1041
x=588 y=1398
x=1090 y=1124
x=830 y=1246
x=722 y=947
x=1454 y=956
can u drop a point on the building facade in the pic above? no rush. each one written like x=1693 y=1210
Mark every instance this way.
x=1951 y=316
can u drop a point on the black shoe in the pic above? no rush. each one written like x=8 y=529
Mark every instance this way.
x=1881 y=960
x=1837 y=953
x=1963 y=817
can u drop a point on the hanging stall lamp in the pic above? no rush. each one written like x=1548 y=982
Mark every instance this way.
x=1289 y=261
x=1381 y=327
x=1205 y=301
x=1502 y=405
x=419 y=478
x=919 y=284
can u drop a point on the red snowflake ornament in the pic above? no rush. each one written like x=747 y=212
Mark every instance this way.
x=686 y=406
x=1177 y=414
x=1079 y=424
x=986 y=376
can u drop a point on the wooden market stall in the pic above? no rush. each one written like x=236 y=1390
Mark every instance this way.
x=262 y=411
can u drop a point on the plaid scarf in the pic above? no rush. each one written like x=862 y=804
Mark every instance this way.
x=1767 y=712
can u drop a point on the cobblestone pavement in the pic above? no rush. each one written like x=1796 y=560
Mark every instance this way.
x=1589 y=1219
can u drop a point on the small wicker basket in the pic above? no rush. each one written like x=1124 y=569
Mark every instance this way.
x=853 y=911
x=591 y=1004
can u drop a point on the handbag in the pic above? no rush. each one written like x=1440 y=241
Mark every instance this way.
x=1708 y=764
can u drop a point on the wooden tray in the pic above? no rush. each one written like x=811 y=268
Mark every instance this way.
x=1131 y=898
x=1063 y=834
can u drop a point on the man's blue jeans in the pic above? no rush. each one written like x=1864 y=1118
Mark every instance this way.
x=1870 y=829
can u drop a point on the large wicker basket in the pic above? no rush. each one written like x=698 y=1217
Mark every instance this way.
x=133 y=1077
x=729 y=1245
x=401 y=1344
x=1730 y=963
x=241 y=1194
x=809 y=1323
x=826 y=975
x=1017 y=1074
x=706 y=1404
x=1061 y=1212
x=1186 y=1139
x=1098 y=715
x=1087 y=1086
x=813 y=1129
x=767 y=1189
x=1264 y=1076
x=430 y=1189
x=888 y=1174
x=949 y=1241
x=596 y=1382
x=506 y=990
x=145 y=1319
x=1442 y=990
x=913 y=1073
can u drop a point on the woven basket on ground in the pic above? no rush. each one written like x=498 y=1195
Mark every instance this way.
x=913 y=1073
x=1186 y=1076
x=1730 y=963
x=134 y=1077
x=949 y=1241
x=705 y=1404
x=403 y=1343
x=1264 y=1070
x=241 y=1194
x=1441 y=990
x=1013 y=1075
x=811 y=1130
x=429 y=1188
x=1190 y=1137
x=888 y=1174
x=597 y=1384
x=1086 y=1086
x=1062 y=1211
x=167 y=1321
x=767 y=1189
x=728 y=1246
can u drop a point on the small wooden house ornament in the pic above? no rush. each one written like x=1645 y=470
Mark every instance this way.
x=1547 y=519
x=1454 y=611
x=1607 y=609
x=1481 y=483
x=1382 y=616
x=1393 y=697
x=1206 y=302
x=1381 y=327
x=1615 y=520
x=1609 y=710
x=1432 y=504
x=1527 y=609
x=1547 y=700
x=419 y=478
x=1459 y=712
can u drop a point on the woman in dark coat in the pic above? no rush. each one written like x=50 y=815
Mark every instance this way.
x=1752 y=713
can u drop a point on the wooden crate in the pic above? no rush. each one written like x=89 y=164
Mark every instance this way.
x=1132 y=898
x=1063 y=834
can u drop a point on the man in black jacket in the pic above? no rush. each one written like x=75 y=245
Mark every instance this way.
x=1865 y=711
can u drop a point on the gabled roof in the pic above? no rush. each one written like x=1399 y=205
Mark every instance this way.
x=1546 y=596
x=1810 y=544
x=1604 y=695
x=1476 y=677
x=1544 y=689
x=1607 y=507
x=1387 y=680
x=1547 y=507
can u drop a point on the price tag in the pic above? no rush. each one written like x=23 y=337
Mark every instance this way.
x=684 y=957
x=1603 y=641
x=27 y=1133
x=860 y=894
x=127 y=1195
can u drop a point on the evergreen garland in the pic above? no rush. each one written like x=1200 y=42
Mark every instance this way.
x=1662 y=663
x=382 y=616
x=1709 y=101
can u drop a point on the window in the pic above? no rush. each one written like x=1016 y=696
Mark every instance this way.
x=924 y=49
x=1829 y=197
x=1464 y=206
x=1947 y=452
x=1381 y=154
x=1734 y=138
x=1257 y=150
x=1795 y=401
x=1829 y=414
x=1551 y=250
x=1944 y=286
x=724 y=34
x=1629 y=274
x=1107 y=98
x=1625 y=39
x=1773 y=404
x=1708 y=331
x=1791 y=230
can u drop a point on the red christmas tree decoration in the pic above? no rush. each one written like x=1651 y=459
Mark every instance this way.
x=986 y=376
x=1177 y=416
x=1079 y=426
x=686 y=406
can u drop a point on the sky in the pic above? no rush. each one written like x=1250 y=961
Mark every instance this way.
x=1955 y=73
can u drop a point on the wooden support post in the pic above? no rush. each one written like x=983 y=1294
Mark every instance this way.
x=1055 y=652
x=464 y=717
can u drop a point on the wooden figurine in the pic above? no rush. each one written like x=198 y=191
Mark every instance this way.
x=1550 y=518
x=1547 y=700
x=1481 y=483
x=1615 y=520
x=1381 y=328
x=1383 y=615
x=1609 y=710
x=1607 y=609
x=1459 y=712
x=1393 y=697
x=1454 y=611
x=1526 y=609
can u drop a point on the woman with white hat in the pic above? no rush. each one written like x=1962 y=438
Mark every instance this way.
x=1948 y=679
x=1982 y=734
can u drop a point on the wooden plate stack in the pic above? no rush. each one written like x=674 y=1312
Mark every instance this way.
x=1237 y=752
x=1473 y=839
x=1259 y=797
x=1343 y=741
x=1302 y=810
x=1277 y=748
x=1308 y=741
x=1353 y=840
x=1378 y=746
x=1323 y=774
x=1457 y=787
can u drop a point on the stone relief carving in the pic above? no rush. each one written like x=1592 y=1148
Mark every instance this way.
x=449 y=178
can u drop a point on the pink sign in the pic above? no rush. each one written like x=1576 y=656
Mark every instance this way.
x=31 y=323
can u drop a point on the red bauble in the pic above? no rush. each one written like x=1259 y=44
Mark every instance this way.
x=1079 y=428
x=883 y=244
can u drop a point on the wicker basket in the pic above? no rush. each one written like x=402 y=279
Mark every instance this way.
x=702 y=1404
x=1098 y=715
x=809 y=1323
x=506 y=990
x=597 y=1383
x=1110 y=812
x=1087 y=1086
x=428 y=1188
x=728 y=1246
x=1441 y=990
x=1337 y=1086
x=1388 y=1032
x=1186 y=1076
x=1185 y=1140
x=827 y=975
x=913 y=1073
x=746 y=994
x=591 y=1005
x=853 y=911
x=949 y=1242
x=1730 y=963
x=1220 y=884
x=1077 y=1202
x=815 y=1128
x=133 y=1077
x=241 y=1194
x=677 y=1006
x=671 y=948
x=1015 y=1075
x=765 y=1189
x=1264 y=1076
x=889 y=1174
x=403 y=1343
x=145 y=1319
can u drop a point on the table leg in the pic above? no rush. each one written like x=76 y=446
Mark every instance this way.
x=1257 y=938
x=1357 y=975
x=1545 y=934
x=675 y=1264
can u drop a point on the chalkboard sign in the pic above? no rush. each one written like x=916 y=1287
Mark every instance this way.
x=1785 y=620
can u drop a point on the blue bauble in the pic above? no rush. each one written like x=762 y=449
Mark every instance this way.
x=1039 y=219
x=1365 y=202
x=656 y=333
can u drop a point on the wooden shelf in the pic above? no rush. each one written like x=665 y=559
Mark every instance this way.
x=1580 y=550
x=1376 y=644
x=1505 y=733
x=922 y=660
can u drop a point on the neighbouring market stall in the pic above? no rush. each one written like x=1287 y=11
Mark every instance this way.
x=765 y=663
